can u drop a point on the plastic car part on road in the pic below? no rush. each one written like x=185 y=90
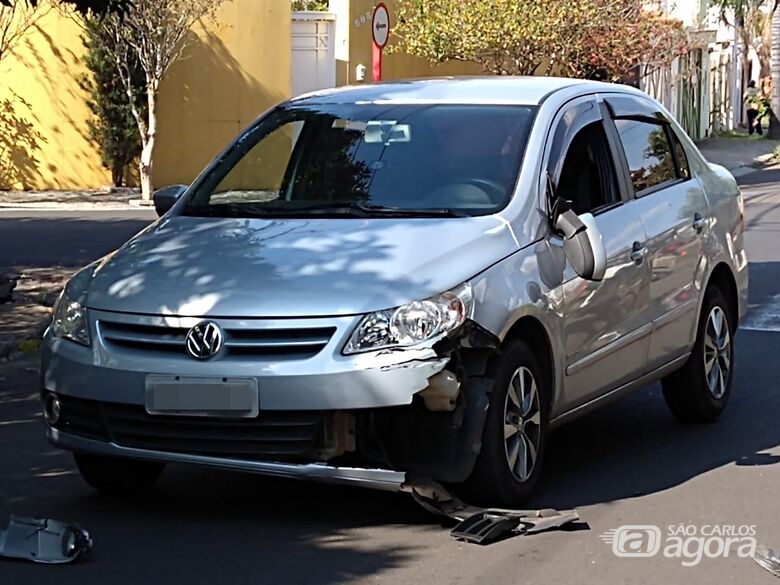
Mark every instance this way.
x=486 y=525
x=42 y=540
x=769 y=559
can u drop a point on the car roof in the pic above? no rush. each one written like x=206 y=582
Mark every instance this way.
x=468 y=89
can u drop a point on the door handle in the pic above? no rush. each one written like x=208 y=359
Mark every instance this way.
x=638 y=252
x=698 y=222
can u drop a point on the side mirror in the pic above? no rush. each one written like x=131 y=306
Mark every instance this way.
x=165 y=198
x=583 y=244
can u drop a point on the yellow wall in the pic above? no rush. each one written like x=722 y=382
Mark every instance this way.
x=394 y=65
x=232 y=72
x=43 y=111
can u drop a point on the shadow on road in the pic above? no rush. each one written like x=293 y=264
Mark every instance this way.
x=197 y=525
x=200 y=525
x=635 y=447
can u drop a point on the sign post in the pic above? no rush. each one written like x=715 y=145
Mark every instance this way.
x=380 y=31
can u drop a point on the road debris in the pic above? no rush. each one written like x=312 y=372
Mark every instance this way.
x=42 y=540
x=486 y=525
x=769 y=559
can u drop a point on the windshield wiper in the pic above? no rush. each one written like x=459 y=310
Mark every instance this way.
x=368 y=210
x=352 y=209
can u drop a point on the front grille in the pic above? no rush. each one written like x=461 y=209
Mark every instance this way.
x=289 y=343
x=274 y=435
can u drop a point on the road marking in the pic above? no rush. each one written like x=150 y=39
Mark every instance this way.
x=764 y=318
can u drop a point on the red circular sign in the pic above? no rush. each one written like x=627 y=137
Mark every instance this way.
x=380 y=25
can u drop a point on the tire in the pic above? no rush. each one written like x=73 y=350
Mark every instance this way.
x=112 y=475
x=700 y=390
x=493 y=482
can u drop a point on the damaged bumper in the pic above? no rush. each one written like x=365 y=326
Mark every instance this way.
x=115 y=369
x=381 y=479
x=359 y=419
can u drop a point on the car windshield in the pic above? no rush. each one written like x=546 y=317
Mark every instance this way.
x=369 y=160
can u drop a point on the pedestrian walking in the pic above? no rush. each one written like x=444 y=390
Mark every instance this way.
x=752 y=101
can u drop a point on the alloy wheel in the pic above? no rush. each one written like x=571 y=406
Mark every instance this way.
x=522 y=424
x=717 y=352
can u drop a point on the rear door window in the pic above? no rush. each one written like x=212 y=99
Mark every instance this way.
x=648 y=153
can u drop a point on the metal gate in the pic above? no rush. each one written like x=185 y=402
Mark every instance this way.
x=690 y=95
x=682 y=88
x=313 y=51
x=722 y=106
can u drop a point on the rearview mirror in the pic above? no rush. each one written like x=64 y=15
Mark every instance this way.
x=582 y=243
x=165 y=198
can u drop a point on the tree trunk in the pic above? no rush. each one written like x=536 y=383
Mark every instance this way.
x=118 y=174
x=146 y=165
x=774 y=125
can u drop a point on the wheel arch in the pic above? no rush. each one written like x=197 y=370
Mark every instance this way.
x=533 y=332
x=722 y=277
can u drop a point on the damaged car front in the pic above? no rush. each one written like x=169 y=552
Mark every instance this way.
x=310 y=307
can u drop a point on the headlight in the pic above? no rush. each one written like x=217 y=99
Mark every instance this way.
x=412 y=323
x=70 y=320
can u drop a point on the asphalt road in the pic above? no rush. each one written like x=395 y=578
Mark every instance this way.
x=64 y=238
x=627 y=464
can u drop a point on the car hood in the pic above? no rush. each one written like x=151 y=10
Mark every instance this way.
x=217 y=267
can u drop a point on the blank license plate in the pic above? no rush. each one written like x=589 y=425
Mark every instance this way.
x=190 y=396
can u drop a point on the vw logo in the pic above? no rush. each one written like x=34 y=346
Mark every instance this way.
x=204 y=340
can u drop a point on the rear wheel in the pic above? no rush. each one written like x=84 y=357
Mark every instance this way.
x=700 y=390
x=513 y=441
x=112 y=475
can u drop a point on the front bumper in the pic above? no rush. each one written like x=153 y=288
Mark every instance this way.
x=371 y=478
x=325 y=381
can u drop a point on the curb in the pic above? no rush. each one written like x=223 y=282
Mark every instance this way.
x=743 y=170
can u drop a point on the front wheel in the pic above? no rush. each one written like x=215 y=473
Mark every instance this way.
x=514 y=438
x=113 y=475
x=700 y=390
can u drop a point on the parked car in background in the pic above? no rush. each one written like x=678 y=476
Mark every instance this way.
x=406 y=282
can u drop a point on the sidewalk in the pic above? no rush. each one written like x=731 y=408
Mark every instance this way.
x=91 y=199
x=741 y=154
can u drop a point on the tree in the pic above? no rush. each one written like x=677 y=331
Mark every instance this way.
x=112 y=128
x=625 y=34
x=318 y=5
x=747 y=17
x=82 y=6
x=600 y=39
x=15 y=21
x=155 y=33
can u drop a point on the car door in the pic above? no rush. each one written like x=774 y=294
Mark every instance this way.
x=606 y=324
x=673 y=209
